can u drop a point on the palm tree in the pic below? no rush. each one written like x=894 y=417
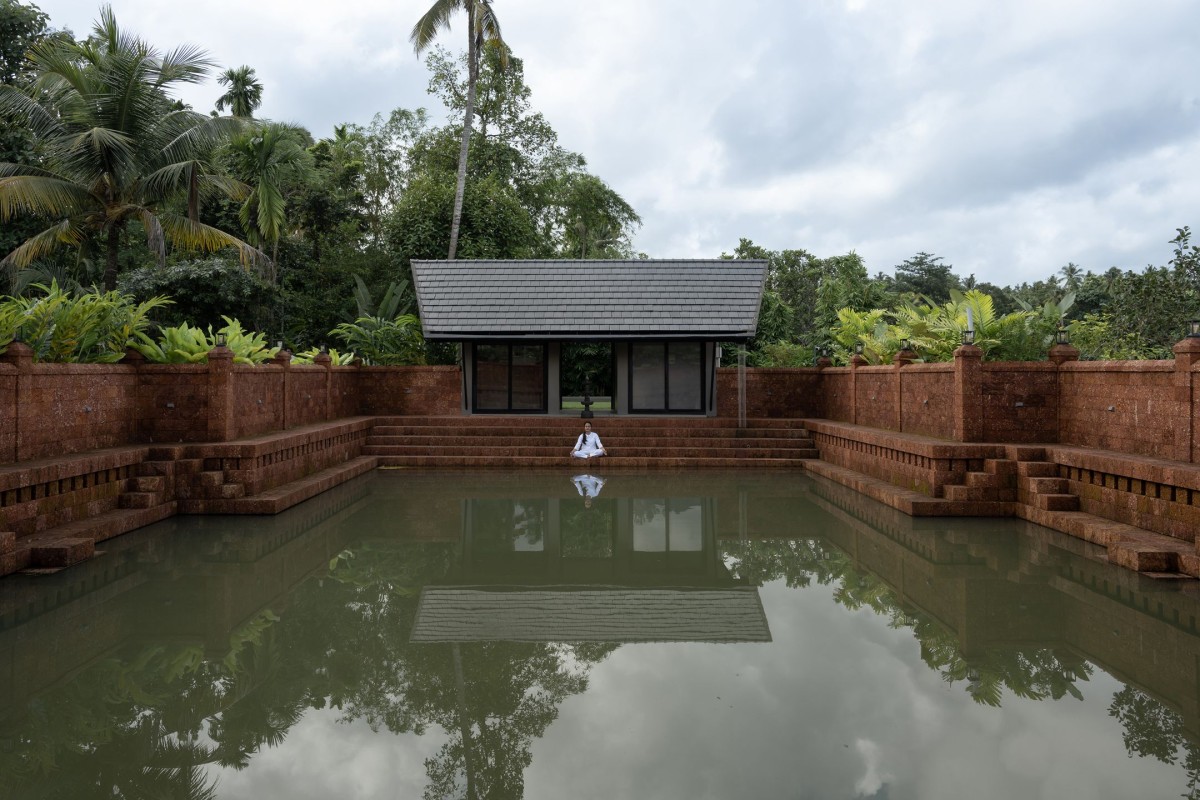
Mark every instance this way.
x=244 y=94
x=268 y=157
x=1072 y=276
x=483 y=28
x=117 y=149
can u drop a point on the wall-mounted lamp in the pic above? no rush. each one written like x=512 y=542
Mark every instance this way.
x=1062 y=335
x=1194 y=329
x=968 y=336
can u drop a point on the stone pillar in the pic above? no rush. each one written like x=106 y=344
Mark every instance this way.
x=323 y=360
x=220 y=394
x=968 y=394
x=1062 y=353
x=20 y=356
x=283 y=360
x=1187 y=354
x=899 y=361
x=142 y=412
x=856 y=361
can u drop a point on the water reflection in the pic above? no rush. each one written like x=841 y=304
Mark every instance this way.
x=469 y=610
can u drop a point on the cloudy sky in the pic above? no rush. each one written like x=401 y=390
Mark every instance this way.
x=1009 y=138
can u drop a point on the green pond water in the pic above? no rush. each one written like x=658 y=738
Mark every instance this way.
x=691 y=635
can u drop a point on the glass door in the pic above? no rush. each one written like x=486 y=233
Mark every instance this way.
x=666 y=376
x=510 y=378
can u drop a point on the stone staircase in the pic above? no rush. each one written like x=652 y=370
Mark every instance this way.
x=632 y=442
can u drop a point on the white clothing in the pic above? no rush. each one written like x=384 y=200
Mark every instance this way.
x=588 y=445
x=588 y=485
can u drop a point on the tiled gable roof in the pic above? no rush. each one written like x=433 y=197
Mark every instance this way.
x=603 y=299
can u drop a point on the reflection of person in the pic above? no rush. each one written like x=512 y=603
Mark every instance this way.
x=588 y=444
x=588 y=486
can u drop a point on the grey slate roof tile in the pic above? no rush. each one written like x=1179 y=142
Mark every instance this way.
x=560 y=299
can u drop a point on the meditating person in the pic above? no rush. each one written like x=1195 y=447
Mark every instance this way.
x=588 y=444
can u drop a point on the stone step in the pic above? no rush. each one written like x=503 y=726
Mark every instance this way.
x=1000 y=467
x=165 y=469
x=75 y=541
x=1048 y=485
x=968 y=494
x=574 y=421
x=139 y=499
x=605 y=431
x=1056 y=502
x=1037 y=469
x=987 y=480
x=211 y=479
x=283 y=497
x=627 y=452
x=1020 y=452
x=569 y=463
x=567 y=441
x=147 y=483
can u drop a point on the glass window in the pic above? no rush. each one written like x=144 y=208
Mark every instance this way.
x=684 y=361
x=491 y=377
x=648 y=379
x=510 y=377
x=528 y=377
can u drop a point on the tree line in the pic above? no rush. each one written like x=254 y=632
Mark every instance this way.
x=108 y=180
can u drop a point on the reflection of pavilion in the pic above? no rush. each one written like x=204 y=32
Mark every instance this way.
x=609 y=569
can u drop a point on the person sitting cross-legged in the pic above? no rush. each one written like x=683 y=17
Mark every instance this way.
x=588 y=444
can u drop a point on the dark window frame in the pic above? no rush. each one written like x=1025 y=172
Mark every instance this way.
x=475 y=409
x=666 y=365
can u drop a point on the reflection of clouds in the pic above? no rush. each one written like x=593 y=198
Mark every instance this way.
x=839 y=704
x=322 y=757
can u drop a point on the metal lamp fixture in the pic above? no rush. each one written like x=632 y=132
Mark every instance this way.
x=858 y=348
x=968 y=336
x=904 y=344
x=1194 y=329
x=1062 y=335
x=220 y=340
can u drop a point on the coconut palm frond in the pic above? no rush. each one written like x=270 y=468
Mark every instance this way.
x=69 y=232
x=187 y=234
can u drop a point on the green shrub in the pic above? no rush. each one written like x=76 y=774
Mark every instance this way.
x=386 y=342
x=184 y=344
x=75 y=327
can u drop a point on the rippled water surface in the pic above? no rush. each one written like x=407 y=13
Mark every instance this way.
x=690 y=635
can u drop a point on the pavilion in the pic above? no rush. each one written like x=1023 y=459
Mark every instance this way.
x=663 y=318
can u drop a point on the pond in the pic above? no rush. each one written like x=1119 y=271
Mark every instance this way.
x=690 y=635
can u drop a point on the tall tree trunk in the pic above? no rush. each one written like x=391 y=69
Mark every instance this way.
x=113 y=248
x=472 y=79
